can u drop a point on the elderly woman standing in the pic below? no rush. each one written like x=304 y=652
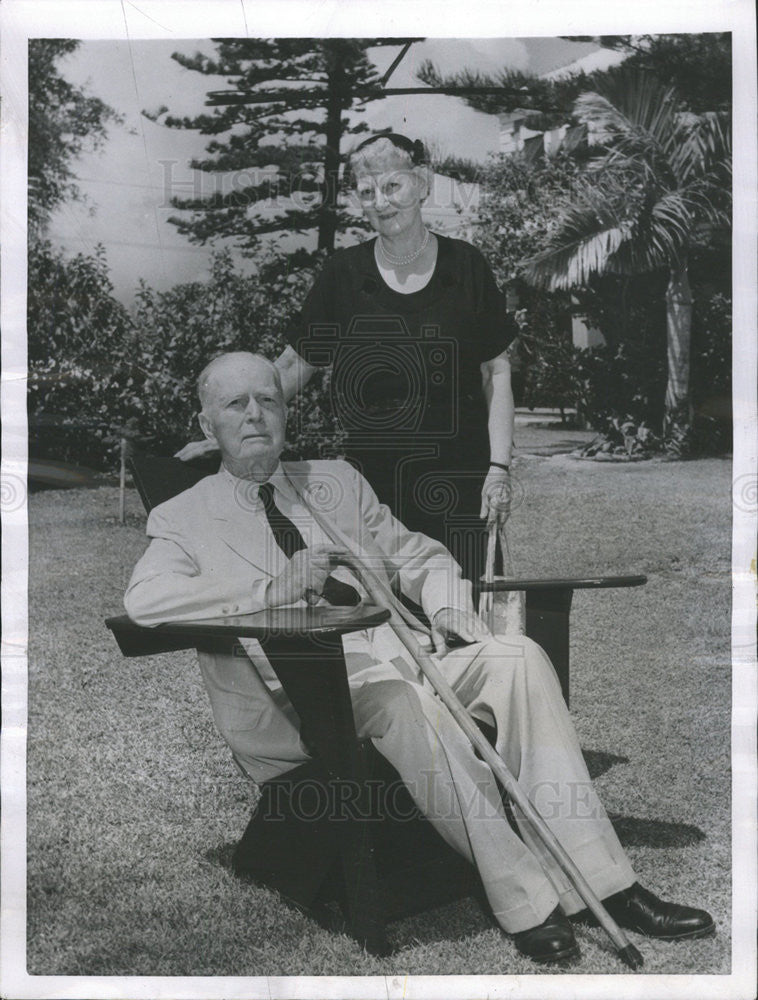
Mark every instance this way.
x=416 y=332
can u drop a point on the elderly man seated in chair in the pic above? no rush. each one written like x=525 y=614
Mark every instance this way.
x=245 y=540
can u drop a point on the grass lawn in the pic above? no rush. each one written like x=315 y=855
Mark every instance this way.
x=133 y=795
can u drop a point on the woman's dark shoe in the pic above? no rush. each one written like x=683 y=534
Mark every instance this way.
x=637 y=909
x=551 y=941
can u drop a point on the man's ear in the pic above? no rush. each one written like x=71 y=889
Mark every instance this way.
x=206 y=427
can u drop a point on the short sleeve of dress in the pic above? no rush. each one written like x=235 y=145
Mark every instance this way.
x=315 y=316
x=497 y=328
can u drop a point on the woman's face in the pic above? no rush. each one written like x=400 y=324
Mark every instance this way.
x=390 y=189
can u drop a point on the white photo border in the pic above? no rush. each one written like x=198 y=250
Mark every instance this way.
x=178 y=19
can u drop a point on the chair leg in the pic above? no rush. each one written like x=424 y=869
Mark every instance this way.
x=363 y=902
x=321 y=698
x=365 y=910
x=287 y=846
x=547 y=622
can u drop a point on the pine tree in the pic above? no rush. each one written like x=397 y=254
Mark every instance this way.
x=547 y=101
x=280 y=127
x=698 y=66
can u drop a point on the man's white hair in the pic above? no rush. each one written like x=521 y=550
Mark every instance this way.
x=206 y=375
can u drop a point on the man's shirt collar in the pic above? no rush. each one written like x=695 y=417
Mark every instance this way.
x=250 y=489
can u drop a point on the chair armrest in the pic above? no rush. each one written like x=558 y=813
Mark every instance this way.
x=501 y=583
x=137 y=640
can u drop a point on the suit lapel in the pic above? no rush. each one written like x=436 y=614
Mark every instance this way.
x=244 y=530
x=242 y=527
x=343 y=517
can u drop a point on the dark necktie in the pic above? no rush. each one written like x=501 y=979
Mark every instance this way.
x=290 y=541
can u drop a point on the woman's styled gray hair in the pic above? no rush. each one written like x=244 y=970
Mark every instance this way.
x=414 y=149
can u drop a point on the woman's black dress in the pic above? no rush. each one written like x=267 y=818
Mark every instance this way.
x=406 y=384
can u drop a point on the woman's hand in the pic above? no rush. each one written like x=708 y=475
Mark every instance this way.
x=497 y=494
x=293 y=371
x=450 y=624
x=195 y=449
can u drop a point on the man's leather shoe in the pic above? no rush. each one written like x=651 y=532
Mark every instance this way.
x=551 y=941
x=637 y=909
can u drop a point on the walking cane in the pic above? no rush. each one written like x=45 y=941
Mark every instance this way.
x=404 y=624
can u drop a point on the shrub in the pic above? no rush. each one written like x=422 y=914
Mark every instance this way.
x=711 y=372
x=94 y=370
x=550 y=376
x=624 y=438
x=80 y=341
x=179 y=331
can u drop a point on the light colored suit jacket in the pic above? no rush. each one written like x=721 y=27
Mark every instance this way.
x=212 y=554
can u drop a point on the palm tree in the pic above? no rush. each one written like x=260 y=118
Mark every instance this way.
x=659 y=187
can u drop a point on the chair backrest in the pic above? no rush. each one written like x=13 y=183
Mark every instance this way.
x=158 y=479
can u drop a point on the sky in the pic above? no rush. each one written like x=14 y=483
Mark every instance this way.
x=128 y=184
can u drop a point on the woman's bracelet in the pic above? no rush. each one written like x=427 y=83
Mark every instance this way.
x=499 y=465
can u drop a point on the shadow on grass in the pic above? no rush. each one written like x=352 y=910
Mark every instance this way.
x=598 y=762
x=634 y=832
x=462 y=918
x=631 y=831
x=222 y=856
x=457 y=918
x=325 y=913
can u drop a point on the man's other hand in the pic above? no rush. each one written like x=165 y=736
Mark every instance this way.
x=450 y=624
x=305 y=575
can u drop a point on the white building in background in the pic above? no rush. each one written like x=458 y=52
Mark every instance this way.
x=599 y=59
x=514 y=133
x=585 y=336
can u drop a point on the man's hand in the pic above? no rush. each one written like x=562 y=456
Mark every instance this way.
x=497 y=494
x=195 y=449
x=304 y=575
x=449 y=623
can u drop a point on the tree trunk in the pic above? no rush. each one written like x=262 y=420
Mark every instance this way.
x=679 y=327
x=333 y=133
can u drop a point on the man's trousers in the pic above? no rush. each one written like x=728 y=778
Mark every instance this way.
x=510 y=684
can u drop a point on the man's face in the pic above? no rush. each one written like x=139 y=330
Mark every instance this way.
x=245 y=415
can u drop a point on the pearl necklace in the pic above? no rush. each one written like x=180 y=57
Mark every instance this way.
x=408 y=258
